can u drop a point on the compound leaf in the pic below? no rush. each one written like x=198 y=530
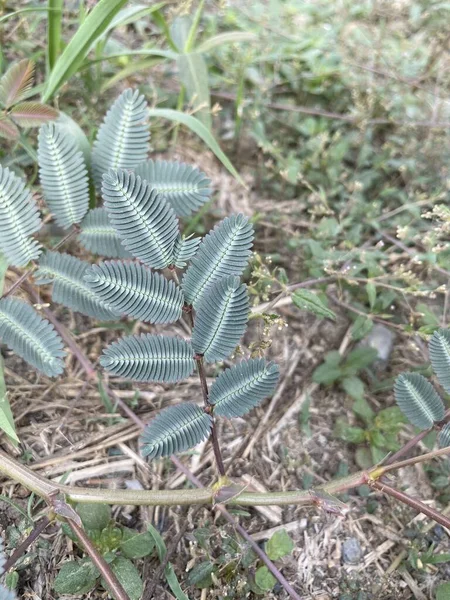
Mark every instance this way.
x=444 y=436
x=30 y=336
x=176 y=429
x=145 y=222
x=16 y=82
x=69 y=288
x=418 y=400
x=19 y=218
x=63 y=175
x=439 y=348
x=221 y=319
x=33 y=114
x=183 y=186
x=133 y=289
x=123 y=138
x=224 y=251
x=149 y=358
x=98 y=235
x=239 y=389
x=184 y=250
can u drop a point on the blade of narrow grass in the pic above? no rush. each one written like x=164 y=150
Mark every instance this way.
x=75 y=52
x=199 y=129
x=54 y=32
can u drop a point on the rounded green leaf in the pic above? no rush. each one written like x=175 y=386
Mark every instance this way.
x=418 y=400
x=94 y=516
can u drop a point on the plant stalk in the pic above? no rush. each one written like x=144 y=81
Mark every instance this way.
x=23 y=547
x=417 y=505
x=110 y=578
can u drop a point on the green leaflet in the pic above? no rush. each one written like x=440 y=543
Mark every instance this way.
x=63 y=175
x=176 y=429
x=69 y=288
x=418 y=400
x=123 y=138
x=224 y=251
x=98 y=235
x=19 y=218
x=184 y=187
x=439 y=348
x=221 y=319
x=34 y=339
x=149 y=358
x=239 y=389
x=133 y=289
x=145 y=222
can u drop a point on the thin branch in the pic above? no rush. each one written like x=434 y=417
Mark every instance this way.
x=417 y=505
x=23 y=547
x=110 y=578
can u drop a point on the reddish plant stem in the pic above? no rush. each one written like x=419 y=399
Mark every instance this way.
x=111 y=580
x=23 y=547
x=417 y=505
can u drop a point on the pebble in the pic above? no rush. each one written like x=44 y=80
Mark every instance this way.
x=351 y=551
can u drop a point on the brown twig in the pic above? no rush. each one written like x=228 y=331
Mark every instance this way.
x=23 y=547
x=110 y=578
x=417 y=505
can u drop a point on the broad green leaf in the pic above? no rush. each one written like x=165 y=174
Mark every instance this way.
x=352 y=435
x=94 y=516
x=199 y=129
x=326 y=374
x=229 y=37
x=86 y=35
x=201 y=574
x=354 y=387
x=362 y=408
x=279 y=545
x=264 y=579
x=358 y=359
x=128 y=576
x=75 y=577
x=361 y=327
x=309 y=301
x=371 y=290
x=135 y=544
x=443 y=591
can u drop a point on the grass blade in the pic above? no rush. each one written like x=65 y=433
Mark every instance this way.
x=54 y=32
x=75 y=52
x=199 y=129
x=193 y=74
x=230 y=37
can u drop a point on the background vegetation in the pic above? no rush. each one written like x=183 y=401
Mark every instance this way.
x=328 y=123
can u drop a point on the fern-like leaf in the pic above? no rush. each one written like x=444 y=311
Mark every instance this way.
x=444 y=436
x=418 y=400
x=30 y=336
x=133 y=289
x=439 y=348
x=19 y=218
x=184 y=187
x=221 y=319
x=239 y=389
x=63 y=175
x=176 y=429
x=69 y=288
x=184 y=250
x=145 y=222
x=224 y=251
x=149 y=358
x=123 y=138
x=99 y=236
x=16 y=82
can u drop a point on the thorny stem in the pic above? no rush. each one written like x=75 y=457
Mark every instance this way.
x=417 y=505
x=110 y=578
x=23 y=547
